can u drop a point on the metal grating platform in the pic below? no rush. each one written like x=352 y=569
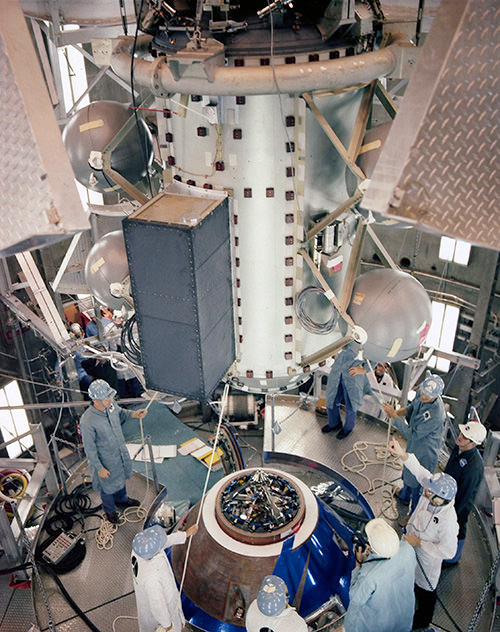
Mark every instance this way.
x=37 y=182
x=439 y=167
x=102 y=584
x=459 y=587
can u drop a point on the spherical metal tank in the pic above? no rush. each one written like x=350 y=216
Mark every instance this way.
x=91 y=129
x=394 y=310
x=106 y=264
x=258 y=522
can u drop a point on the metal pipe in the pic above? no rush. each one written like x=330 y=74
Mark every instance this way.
x=72 y=404
x=331 y=74
x=153 y=466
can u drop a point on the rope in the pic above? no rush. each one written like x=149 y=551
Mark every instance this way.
x=122 y=616
x=389 y=505
x=389 y=508
x=221 y=416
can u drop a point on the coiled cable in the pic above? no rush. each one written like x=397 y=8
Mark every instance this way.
x=305 y=319
x=129 y=342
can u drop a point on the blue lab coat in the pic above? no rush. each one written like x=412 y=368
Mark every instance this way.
x=381 y=596
x=357 y=385
x=104 y=446
x=424 y=433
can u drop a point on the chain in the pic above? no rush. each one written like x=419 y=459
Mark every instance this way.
x=484 y=593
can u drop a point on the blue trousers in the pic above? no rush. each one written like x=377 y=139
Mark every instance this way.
x=456 y=558
x=334 y=419
x=411 y=495
x=108 y=500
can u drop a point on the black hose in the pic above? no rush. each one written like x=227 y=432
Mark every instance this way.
x=69 y=599
x=129 y=345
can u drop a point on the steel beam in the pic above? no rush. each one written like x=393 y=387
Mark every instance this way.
x=335 y=140
x=352 y=266
x=326 y=352
x=381 y=248
x=43 y=298
x=329 y=293
x=331 y=217
x=361 y=121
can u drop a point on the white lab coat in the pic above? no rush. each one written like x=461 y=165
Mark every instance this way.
x=158 y=599
x=288 y=621
x=437 y=531
x=386 y=386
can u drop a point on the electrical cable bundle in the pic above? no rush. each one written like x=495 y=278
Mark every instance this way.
x=70 y=507
x=129 y=343
x=306 y=321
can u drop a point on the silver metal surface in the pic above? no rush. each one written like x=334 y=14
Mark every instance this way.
x=460 y=587
x=18 y=615
x=439 y=167
x=98 y=12
x=331 y=74
x=70 y=277
x=38 y=193
x=102 y=584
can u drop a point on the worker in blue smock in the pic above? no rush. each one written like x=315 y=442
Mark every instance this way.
x=109 y=461
x=424 y=433
x=347 y=381
x=381 y=595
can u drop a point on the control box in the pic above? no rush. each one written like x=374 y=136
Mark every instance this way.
x=60 y=547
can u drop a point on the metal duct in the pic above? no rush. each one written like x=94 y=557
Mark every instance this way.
x=229 y=80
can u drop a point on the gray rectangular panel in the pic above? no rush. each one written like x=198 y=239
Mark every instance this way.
x=180 y=270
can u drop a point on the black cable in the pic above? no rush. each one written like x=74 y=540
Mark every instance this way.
x=484 y=593
x=13 y=569
x=69 y=599
x=68 y=507
x=306 y=320
x=142 y=139
x=123 y=16
x=129 y=345
x=437 y=596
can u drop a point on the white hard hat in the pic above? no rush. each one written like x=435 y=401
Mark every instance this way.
x=382 y=538
x=473 y=430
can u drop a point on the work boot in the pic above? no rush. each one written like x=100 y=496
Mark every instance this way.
x=130 y=502
x=328 y=428
x=112 y=517
x=403 y=521
x=342 y=434
x=403 y=501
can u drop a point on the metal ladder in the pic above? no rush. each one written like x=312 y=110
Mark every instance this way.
x=42 y=473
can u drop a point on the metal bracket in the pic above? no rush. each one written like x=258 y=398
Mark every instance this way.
x=197 y=62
